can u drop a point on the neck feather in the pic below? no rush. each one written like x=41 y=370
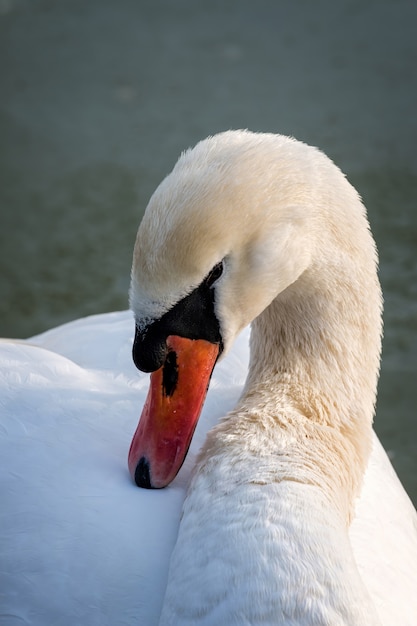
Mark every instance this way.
x=312 y=378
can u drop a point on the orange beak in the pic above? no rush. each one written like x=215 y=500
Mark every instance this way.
x=171 y=411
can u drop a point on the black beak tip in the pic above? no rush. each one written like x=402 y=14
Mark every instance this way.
x=142 y=474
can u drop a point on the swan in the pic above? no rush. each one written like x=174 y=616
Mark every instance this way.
x=278 y=505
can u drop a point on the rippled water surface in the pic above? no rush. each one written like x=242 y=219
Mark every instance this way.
x=98 y=99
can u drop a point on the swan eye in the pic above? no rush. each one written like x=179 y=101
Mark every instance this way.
x=214 y=274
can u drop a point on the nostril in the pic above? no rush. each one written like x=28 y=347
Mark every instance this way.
x=170 y=374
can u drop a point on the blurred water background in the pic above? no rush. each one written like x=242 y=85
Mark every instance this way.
x=98 y=98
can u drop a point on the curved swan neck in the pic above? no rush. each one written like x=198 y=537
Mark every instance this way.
x=314 y=367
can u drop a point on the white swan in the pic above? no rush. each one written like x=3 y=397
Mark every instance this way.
x=246 y=227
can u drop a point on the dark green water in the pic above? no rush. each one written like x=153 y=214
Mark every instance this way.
x=98 y=98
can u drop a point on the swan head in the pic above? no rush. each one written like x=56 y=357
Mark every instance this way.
x=223 y=223
x=231 y=227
